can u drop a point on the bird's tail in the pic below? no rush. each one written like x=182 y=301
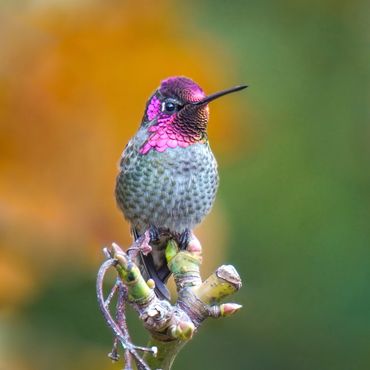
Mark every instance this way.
x=154 y=265
x=160 y=277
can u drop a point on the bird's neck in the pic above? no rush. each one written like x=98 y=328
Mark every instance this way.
x=163 y=136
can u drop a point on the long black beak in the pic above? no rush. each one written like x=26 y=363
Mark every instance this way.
x=217 y=95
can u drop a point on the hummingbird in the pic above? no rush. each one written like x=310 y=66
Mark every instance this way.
x=168 y=175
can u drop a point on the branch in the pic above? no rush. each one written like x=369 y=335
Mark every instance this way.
x=170 y=326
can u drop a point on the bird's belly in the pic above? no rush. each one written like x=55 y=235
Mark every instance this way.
x=175 y=191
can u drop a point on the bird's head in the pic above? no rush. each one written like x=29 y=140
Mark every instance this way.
x=177 y=113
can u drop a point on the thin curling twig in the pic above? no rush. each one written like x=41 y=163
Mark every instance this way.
x=121 y=319
x=111 y=294
x=110 y=321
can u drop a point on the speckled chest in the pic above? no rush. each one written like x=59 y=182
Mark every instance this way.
x=174 y=189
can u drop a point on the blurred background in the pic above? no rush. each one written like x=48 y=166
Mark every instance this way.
x=293 y=208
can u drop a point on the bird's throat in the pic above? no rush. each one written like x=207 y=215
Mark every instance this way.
x=164 y=136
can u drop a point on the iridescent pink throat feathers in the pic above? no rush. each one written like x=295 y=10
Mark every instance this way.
x=164 y=134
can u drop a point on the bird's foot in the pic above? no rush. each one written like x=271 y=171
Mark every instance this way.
x=184 y=239
x=194 y=245
x=141 y=245
x=153 y=234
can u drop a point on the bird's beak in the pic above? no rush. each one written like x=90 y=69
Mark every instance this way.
x=217 y=95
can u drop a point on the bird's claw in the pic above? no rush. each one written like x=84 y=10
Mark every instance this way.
x=141 y=244
x=184 y=239
x=153 y=234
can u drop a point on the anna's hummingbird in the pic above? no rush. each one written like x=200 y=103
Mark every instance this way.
x=168 y=175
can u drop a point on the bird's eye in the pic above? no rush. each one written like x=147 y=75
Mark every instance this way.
x=170 y=107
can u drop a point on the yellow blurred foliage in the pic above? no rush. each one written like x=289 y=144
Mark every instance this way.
x=17 y=280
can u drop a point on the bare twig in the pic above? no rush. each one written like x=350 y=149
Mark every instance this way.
x=121 y=319
x=121 y=337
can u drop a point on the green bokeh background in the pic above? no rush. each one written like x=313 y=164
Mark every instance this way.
x=298 y=201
